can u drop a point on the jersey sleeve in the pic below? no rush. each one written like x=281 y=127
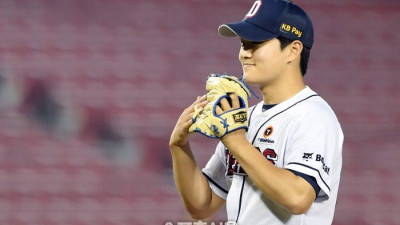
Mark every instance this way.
x=214 y=171
x=314 y=148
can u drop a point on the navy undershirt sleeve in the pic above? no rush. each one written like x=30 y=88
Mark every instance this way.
x=310 y=180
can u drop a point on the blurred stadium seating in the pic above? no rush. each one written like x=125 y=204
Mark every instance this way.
x=115 y=76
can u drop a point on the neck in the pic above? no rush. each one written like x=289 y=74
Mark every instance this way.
x=281 y=91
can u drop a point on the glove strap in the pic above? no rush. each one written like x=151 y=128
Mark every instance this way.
x=247 y=86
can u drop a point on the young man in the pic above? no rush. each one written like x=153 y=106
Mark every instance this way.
x=286 y=168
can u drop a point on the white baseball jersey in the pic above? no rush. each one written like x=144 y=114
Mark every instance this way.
x=301 y=134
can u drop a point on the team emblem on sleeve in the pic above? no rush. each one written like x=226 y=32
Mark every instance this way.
x=318 y=158
x=307 y=156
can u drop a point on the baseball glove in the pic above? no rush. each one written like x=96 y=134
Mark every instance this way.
x=207 y=121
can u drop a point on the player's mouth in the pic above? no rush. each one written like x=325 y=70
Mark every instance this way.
x=247 y=65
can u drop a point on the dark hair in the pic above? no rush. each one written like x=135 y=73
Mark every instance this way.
x=305 y=54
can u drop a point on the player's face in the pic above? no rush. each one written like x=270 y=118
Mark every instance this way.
x=262 y=62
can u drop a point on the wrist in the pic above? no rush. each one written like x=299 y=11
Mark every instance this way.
x=233 y=138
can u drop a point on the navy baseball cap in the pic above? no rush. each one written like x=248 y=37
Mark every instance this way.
x=268 y=19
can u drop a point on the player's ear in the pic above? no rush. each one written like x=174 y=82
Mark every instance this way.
x=294 y=50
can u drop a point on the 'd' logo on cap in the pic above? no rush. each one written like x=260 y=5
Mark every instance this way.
x=254 y=9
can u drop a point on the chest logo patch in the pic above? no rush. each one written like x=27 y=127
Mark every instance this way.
x=268 y=132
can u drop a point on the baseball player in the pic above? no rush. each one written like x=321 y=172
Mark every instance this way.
x=284 y=168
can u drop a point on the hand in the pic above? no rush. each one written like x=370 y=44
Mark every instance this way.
x=228 y=104
x=225 y=111
x=180 y=135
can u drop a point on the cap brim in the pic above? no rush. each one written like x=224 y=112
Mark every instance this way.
x=245 y=30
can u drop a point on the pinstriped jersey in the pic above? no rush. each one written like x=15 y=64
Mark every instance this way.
x=301 y=134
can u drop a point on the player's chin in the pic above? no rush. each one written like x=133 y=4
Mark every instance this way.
x=248 y=78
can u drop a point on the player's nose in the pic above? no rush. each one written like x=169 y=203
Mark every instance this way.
x=245 y=54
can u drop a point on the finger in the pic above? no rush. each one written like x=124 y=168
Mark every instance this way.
x=218 y=110
x=199 y=101
x=203 y=103
x=187 y=123
x=197 y=110
x=224 y=103
x=193 y=107
x=187 y=120
x=201 y=98
x=235 y=101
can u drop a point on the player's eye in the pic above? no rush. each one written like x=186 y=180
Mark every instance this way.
x=246 y=45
